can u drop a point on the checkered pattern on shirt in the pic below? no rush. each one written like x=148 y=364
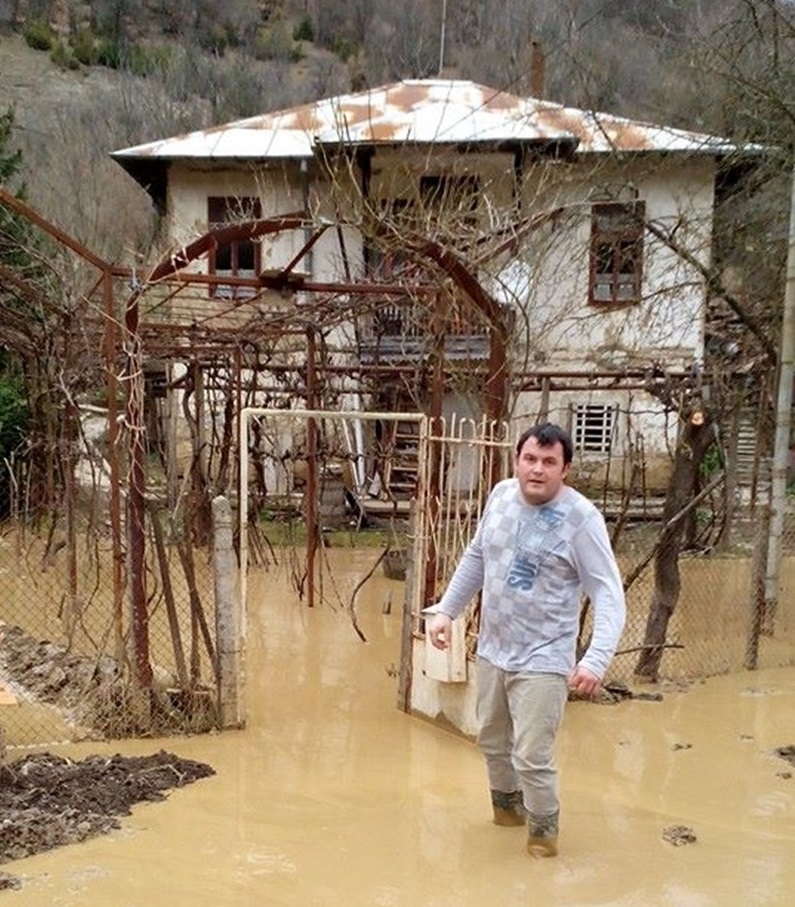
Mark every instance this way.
x=529 y=561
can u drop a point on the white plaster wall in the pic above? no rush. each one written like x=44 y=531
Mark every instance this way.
x=279 y=188
x=550 y=293
x=282 y=190
x=550 y=286
x=396 y=173
x=547 y=283
x=461 y=420
x=558 y=330
x=643 y=428
x=189 y=188
x=642 y=419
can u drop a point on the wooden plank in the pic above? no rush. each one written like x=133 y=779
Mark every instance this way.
x=446 y=665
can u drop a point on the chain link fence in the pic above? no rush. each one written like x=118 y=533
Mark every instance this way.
x=68 y=639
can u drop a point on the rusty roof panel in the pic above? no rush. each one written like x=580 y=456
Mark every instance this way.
x=603 y=132
x=422 y=111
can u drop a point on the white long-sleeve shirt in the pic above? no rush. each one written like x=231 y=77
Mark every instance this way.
x=533 y=563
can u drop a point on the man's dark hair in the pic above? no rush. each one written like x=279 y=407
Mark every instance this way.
x=548 y=435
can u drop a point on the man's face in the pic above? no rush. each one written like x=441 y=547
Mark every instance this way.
x=540 y=471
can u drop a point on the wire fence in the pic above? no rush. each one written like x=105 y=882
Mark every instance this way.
x=732 y=609
x=69 y=640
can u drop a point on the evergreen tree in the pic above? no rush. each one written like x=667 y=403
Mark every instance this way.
x=15 y=262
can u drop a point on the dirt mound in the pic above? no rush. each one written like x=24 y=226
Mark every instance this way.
x=47 y=801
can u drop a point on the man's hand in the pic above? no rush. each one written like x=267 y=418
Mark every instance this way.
x=439 y=629
x=583 y=682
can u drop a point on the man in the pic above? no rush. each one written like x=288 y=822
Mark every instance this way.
x=538 y=547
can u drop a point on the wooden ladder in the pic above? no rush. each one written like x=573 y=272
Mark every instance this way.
x=403 y=462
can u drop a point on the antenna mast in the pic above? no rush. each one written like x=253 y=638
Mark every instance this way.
x=441 y=40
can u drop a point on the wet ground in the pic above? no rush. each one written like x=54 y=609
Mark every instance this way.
x=333 y=797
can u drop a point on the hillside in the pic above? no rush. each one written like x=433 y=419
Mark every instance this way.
x=52 y=130
x=32 y=82
x=67 y=121
x=726 y=68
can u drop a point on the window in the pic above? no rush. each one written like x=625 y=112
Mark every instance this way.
x=453 y=198
x=616 y=253
x=594 y=427
x=386 y=259
x=236 y=259
x=438 y=205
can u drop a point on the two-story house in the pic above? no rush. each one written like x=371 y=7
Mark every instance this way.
x=465 y=251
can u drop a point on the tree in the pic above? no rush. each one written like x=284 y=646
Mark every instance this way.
x=11 y=226
x=751 y=52
x=13 y=405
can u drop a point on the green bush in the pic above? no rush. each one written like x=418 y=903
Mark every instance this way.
x=345 y=48
x=233 y=38
x=145 y=61
x=13 y=415
x=109 y=54
x=304 y=31
x=85 y=47
x=139 y=62
x=62 y=56
x=38 y=34
x=711 y=462
x=274 y=42
x=215 y=39
x=14 y=418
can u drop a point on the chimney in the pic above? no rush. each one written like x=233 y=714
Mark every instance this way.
x=538 y=70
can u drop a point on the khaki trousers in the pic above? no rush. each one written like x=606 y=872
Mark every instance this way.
x=519 y=715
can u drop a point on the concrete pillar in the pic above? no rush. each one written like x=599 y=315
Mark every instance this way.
x=228 y=622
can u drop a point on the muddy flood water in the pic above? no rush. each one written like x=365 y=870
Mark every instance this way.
x=333 y=797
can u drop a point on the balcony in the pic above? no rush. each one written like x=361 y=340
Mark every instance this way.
x=401 y=331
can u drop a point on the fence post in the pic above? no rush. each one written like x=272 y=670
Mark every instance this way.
x=781 y=447
x=758 y=603
x=227 y=618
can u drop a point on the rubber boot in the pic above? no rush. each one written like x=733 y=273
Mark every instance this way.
x=542 y=835
x=508 y=808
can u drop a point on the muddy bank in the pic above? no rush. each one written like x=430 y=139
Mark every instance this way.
x=90 y=694
x=47 y=801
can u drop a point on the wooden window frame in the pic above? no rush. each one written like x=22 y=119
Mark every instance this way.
x=436 y=194
x=451 y=192
x=221 y=211
x=616 y=257
x=387 y=263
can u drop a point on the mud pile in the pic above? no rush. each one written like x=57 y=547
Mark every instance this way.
x=47 y=801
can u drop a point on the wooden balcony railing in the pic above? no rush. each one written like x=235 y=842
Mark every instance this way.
x=399 y=330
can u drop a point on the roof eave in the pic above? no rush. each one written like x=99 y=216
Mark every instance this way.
x=554 y=146
x=151 y=173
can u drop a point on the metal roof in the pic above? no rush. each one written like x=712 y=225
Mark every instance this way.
x=421 y=111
